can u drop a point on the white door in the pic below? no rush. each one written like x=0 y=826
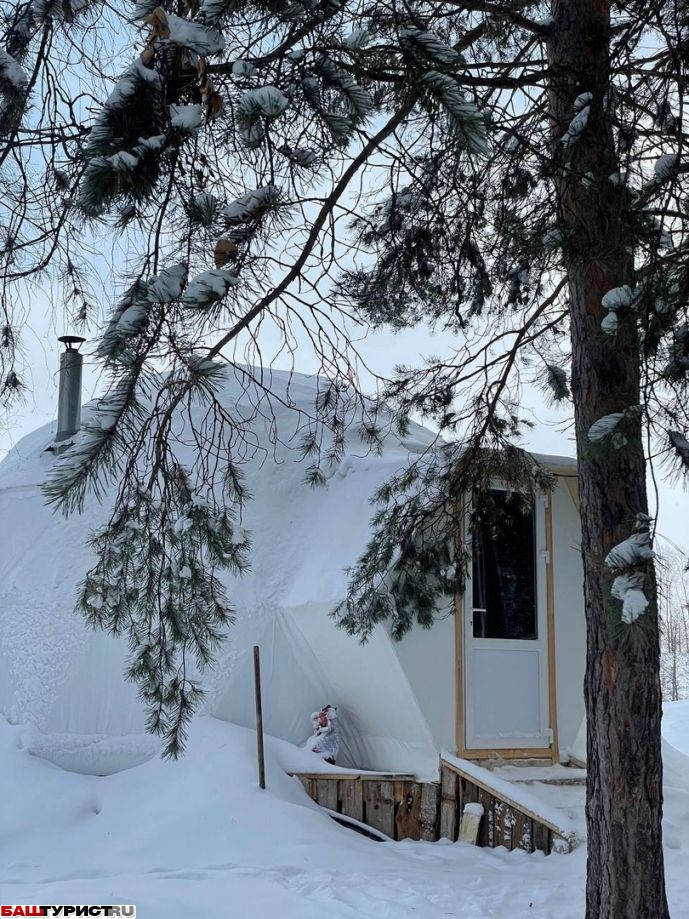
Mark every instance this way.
x=505 y=673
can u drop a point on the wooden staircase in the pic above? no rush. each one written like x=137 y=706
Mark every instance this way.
x=400 y=807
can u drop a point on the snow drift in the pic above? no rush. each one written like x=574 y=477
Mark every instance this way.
x=66 y=682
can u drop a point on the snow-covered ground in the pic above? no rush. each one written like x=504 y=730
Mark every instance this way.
x=676 y=725
x=198 y=838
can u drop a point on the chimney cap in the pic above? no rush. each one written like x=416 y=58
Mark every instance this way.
x=71 y=342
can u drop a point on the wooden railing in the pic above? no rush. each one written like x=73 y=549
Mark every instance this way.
x=505 y=822
x=402 y=808
x=396 y=805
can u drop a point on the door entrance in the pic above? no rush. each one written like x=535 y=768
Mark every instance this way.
x=505 y=641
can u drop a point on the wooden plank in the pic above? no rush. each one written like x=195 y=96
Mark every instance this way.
x=449 y=782
x=526 y=842
x=352 y=799
x=550 y=620
x=486 y=836
x=504 y=825
x=359 y=776
x=430 y=811
x=459 y=536
x=541 y=837
x=521 y=832
x=540 y=756
x=327 y=793
x=408 y=810
x=259 y=719
x=498 y=829
x=379 y=807
x=469 y=791
x=387 y=777
x=308 y=786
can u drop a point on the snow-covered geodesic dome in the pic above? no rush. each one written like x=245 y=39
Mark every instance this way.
x=66 y=681
x=399 y=703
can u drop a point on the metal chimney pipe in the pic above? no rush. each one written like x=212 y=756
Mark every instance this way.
x=69 y=393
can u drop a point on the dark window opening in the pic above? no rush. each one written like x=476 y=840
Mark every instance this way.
x=503 y=568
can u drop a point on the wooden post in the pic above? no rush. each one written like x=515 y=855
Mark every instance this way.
x=259 y=718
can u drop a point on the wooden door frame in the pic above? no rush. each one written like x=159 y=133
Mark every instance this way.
x=551 y=753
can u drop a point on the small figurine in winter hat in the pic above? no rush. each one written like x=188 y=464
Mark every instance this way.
x=326 y=733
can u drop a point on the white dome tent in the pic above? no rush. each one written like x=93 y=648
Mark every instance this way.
x=399 y=703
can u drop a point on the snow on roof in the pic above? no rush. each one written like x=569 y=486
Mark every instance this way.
x=303 y=538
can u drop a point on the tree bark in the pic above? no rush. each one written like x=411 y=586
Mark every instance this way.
x=625 y=874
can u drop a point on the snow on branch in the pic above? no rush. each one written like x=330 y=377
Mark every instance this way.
x=38 y=12
x=577 y=126
x=616 y=300
x=208 y=287
x=629 y=589
x=133 y=320
x=465 y=121
x=665 y=167
x=266 y=101
x=131 y=315
x=608 y=426
x=604 y=426
x=300 y=156
x=126 y=94
x=214 y=10
x=251 y=206
x=12 y=72
x=243 y=69
x=13 y=90
x=581 y=101
x=95 y=457
x=126 y=142
x=629 y=557
x=167 y=285
x=193 y=35
x=186 y=118
x=634 y=550
x=429 y=45
x=357 y=99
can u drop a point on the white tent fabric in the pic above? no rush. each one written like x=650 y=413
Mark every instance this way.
x=66 y=680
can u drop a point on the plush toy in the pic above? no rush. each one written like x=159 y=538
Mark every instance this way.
x=326 y=734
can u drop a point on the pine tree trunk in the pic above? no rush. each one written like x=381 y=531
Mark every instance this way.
x=625 y=877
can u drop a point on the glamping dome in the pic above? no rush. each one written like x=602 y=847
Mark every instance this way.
x=399 y=704
x=65 y=681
